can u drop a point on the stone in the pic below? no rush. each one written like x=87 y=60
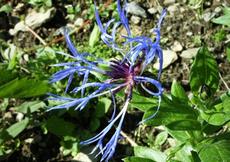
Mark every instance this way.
x=207 y=16
x=135 y=19
x=79 y=22
x=135 y=9
x=82 y=157
x=177 y=47
x=152 y=10
x=169 y=2
x=172 y=9
x=19 y=116
x=33 y=20
x=217 y=10
x=189 y=53
x=189 y=33
x=169 y=57
x=29 y=140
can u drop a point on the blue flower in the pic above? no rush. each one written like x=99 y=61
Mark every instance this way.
x=124 y=74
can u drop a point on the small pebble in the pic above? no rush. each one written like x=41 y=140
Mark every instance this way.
x=135 y=19
x=177 y=47
x=79 y=22
x=152 y=10
x=19 y=116
x=135 y=9
x=169 y=2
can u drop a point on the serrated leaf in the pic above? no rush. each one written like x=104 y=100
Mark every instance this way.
x=23 y=88
x=94 y=36
x=136 y=159
x=220 y=115
x=174 y=115
x=149 y=153
x=204 y=72
x=217 y=151
x=178 y=91
x=17 y=128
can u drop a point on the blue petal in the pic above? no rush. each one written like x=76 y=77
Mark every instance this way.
x=157 y=84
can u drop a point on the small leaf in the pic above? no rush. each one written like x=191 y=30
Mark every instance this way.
x=6 y=8
x=4 y=104
x=17 y=128
x=94 y=36
x=149 y=153
x=204 y=72
x=136 y=159
x=161 y=138
x=178 y=91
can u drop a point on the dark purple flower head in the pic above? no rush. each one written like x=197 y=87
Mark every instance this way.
x=124 y=74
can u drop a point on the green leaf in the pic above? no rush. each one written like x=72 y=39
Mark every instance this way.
x=149 y=153
x=23 y=88
x=136 y=159
x=219 y=114
x=184 y=154
x=225 y=19
x=178 y=91
x=102 y=107
x=174 y=115
x=226 y=103
x=143 y=103
x=6 y=76
x=69 y=145
x=4 y=104
x=11 y=54
x=204 y=72
x=216 y=118
x=94 y=36
x=17 y=128
x=59 y=126
x=30 y=107
x=161 y=138
x=228 y=54
x=217 y=151
x=94 y=124
x=6 y=8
